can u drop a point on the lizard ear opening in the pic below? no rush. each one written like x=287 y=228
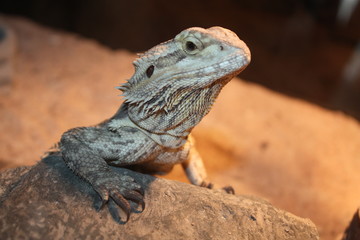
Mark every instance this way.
x=150 y=71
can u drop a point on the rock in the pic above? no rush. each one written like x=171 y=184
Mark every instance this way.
x=353 y=231
x=48 y=201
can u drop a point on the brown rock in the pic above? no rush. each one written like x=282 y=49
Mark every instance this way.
x=50 y=202
x=353 y=231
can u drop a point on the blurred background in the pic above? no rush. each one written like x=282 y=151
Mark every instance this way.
x=299 y=157
x=308 y=49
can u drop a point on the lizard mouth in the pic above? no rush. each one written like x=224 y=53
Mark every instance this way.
x=221 y=72
x=229 y=67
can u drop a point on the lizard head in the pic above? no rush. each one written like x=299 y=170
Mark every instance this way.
x=178 y=80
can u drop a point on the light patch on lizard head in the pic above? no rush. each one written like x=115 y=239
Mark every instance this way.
x=207 y=48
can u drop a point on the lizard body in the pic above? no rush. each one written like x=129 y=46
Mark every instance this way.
x=174 y=86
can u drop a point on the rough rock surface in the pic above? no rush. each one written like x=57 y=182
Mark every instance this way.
x=353 y=230
x=298 y=156
x=50 y=202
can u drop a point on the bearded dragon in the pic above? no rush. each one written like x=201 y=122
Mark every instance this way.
x=174 y=86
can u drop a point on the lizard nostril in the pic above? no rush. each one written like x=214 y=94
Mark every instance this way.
x=221 y=47
x=150 y=71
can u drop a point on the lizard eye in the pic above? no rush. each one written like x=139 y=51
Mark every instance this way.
x=192 y=45
x=150 y=71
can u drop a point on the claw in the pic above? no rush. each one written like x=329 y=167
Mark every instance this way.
x=136 y=197
x=207 y=185
x=123 y=203
x=114 y=211
x=140 y=190
x=229 y=189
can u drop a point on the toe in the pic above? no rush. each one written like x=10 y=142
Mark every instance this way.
x=122 y=202
x=135 y=197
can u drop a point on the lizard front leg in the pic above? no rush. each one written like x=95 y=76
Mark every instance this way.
x=85 y=151
x=195 y=169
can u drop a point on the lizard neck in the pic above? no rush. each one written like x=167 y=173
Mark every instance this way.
x=183 y=110
x=122 y=119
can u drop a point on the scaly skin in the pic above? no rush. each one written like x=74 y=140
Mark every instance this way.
x=173 y=88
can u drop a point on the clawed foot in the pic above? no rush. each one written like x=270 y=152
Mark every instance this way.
x=227 y=189
x=118 y=191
